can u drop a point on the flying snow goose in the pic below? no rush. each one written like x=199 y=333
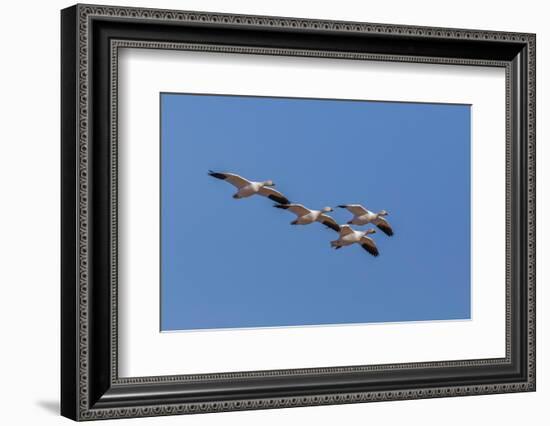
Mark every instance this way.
x=349 y=236
x=247 y=188
x=307 y=216
x=362 y=216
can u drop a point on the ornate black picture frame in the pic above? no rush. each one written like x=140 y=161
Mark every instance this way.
x=91 y=386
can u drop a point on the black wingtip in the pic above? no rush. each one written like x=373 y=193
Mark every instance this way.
x=371 y=250
x=280 y=200
x=216 y=175
x=331 y=226
x=280 y=206
x=342 y=206
x=386 y=230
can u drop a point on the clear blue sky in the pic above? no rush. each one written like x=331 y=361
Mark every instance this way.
x=229 y=263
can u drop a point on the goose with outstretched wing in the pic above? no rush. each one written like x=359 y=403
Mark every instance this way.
x=362 y=216
x=349 y=236
x=247 y=188
x=306 y=216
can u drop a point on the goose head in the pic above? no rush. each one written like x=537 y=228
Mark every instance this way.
x=268 y=183
x=327 y=209
x=370 y=231
x=383 y=213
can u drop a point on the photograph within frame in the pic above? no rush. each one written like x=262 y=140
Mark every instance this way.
x=234 y=265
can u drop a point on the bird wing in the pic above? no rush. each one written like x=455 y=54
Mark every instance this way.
x=345 y=230
x=329 y=222
x=233 y=179
x=369 y=245
x=297 y=209
x=384 y=226
x=274 y=195
x=356 y=209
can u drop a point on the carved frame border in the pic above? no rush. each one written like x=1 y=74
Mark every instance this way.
x=87 y=12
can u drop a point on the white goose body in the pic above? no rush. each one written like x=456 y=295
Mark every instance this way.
x=364 y=219
x=362 y=216
x=247 y=188
x=349 y=236
x=312 y=216
x=306 y=216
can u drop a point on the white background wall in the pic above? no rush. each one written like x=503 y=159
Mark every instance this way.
x=29 y=211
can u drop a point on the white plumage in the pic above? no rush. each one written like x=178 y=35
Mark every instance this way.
x=362 y=216
x=349 y=236
x=307 y=216
x=247 y=188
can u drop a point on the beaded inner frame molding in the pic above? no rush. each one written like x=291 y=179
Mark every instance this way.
x=91 y=39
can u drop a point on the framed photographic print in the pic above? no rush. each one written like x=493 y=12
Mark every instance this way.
x=263 y=212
